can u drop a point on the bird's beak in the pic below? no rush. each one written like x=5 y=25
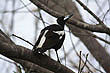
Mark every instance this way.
x=67 y=17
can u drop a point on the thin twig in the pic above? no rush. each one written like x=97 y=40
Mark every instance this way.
x=22 y=39
x=79 y=62
x=84 y=63
x=31 y=11
x=106 y=14
x=88 y=10
x=93 y=35
x=77 y=52
x=3 y=16
x=65 y=56
x=22 y=7
x=100 y=9
x=13 y=16
x=93 y=66
x=42 y=18
x=101 y=39
x=16 y=10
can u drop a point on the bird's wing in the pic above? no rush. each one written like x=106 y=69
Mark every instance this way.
x=39 y=38
x=51 y=40
x=48 y=38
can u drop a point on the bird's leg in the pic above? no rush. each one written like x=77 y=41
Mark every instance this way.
x=57 y=56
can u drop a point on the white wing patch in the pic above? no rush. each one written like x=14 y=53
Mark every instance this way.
x=60 y=33
x=43 y=38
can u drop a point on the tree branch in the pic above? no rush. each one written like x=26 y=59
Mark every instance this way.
x=83 y=25
x=91 y=27
x=10 y=50
x=88 y=10
x=31 y=67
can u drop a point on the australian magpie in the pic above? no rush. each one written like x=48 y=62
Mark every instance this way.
x=52 y=37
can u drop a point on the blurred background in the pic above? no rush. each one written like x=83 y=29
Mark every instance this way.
x=22 y=18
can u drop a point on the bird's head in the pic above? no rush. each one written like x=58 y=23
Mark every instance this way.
x=62 y=20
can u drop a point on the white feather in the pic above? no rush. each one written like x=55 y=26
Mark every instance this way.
x=43 y=38
x=60 y=33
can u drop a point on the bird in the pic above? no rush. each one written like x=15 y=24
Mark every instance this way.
x=52 y=37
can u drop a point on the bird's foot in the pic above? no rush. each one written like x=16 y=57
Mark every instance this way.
x=38 y=51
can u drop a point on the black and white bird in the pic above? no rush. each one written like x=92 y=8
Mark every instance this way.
x=51 y=37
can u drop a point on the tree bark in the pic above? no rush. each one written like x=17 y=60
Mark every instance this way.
x=13 y=51
x=31 y=67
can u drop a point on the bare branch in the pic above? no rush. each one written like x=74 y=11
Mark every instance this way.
x=90 y=27
x=88 y=10
x=95 y=36
x=10 y=50
x=79 y=62
x=31 y=67
x=22 y=39
x=84 y=63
